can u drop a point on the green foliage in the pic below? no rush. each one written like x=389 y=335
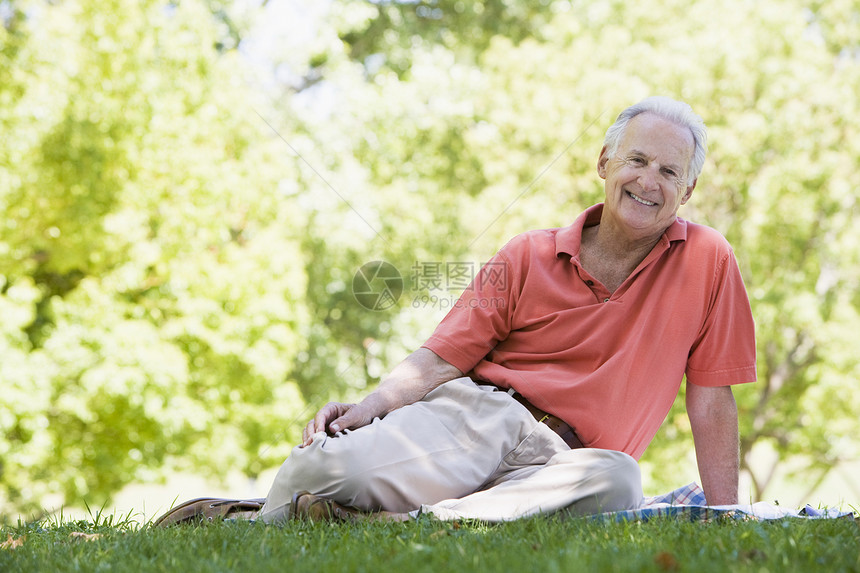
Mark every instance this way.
x=150 y=268
x=395 y=30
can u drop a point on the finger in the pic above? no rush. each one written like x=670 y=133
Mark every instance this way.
x=319 y=421
x=322 y=418
x=308 y=433
x=325 y=415
x=345 y=421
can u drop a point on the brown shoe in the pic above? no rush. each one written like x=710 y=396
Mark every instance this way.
x=205 y=509
x=312 y=507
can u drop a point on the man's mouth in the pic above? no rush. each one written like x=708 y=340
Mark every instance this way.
x=639 y=199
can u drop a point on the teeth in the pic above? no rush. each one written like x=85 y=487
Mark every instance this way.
x=640 y=200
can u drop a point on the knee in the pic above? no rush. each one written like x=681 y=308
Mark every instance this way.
x=624 y=486
x=318 y=468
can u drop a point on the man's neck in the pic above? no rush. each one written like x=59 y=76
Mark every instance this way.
x=611 y=257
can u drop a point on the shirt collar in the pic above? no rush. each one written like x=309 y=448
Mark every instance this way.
x=568 y=240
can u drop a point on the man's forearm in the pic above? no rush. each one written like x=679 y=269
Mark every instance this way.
x=714 y=421
x=719 y=474
x=409 y=381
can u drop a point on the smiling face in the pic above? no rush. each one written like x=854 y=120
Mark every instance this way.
x=646 y=179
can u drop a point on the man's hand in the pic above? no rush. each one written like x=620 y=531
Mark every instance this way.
x=334 y=417
x=714 y=421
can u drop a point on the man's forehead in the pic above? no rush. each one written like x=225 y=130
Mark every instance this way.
x=649 y=134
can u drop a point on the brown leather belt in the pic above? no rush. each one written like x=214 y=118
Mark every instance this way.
x=555 y=423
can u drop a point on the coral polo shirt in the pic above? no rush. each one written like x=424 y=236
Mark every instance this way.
x=608 y=364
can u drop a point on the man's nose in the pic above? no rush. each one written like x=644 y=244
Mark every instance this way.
x=648 y=179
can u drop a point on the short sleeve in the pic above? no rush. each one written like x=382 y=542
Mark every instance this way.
x=724 y=352
x=480 y=318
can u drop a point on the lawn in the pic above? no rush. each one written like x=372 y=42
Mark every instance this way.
x=539 y=544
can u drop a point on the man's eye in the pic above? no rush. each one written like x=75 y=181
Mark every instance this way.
x=636 y=160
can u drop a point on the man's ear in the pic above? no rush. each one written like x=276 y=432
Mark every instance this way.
x=689 y=192
x=601 y=163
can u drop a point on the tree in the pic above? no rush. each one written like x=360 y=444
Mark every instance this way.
x=150 y=263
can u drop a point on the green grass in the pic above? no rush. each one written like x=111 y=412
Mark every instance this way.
x=541 y=544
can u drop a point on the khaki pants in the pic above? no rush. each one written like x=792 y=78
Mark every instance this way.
x=464 y=451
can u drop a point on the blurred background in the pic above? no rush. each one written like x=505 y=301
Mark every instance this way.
x=188 y=188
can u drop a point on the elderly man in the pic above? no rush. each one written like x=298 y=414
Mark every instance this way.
x=546 y=382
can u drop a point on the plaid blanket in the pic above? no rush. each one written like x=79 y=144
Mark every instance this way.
x=689 y=502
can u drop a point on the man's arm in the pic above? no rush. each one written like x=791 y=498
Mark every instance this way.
x=408 y=382
x=714 y=421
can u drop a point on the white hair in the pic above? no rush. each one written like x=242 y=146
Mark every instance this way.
x=669 y=109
